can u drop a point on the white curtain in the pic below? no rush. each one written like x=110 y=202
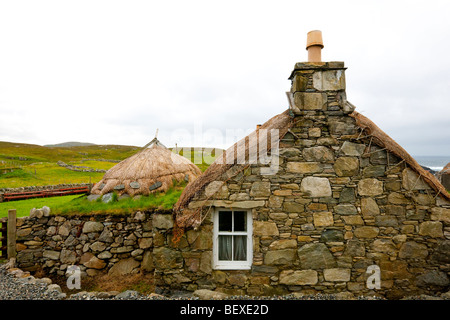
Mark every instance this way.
x=240 y=248
x=225 y=248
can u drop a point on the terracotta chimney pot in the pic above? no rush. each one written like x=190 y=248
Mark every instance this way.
x=314 y=45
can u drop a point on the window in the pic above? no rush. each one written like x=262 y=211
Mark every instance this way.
x=232 y=239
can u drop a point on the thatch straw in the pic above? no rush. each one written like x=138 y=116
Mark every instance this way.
x=185 y=217
x=149 y=167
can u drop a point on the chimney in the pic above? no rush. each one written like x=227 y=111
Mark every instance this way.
x=318 y=88
x=314 y=45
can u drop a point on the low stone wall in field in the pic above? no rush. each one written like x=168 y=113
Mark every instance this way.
x=41 y=188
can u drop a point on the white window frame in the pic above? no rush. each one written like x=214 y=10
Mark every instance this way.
x=232 y=265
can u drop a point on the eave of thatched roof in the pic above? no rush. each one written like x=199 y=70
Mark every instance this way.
x=186 y=217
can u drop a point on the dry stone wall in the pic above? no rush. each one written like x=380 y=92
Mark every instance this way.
x=98 y=244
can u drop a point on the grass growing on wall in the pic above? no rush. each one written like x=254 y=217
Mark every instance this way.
x=23 y=207
x=76 y=204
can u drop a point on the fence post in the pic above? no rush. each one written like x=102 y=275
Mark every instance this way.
x=11 y=234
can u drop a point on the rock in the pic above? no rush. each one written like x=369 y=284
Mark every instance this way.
x=205 y=294
x=279 y=257
x=397 y=198
x=333 y=80
x=318 y=154
x=135 y=185
x=332 y=236
x=165 y=258
x=98 y=246
x=310 y=100
x=106 y=236
x=139 y=216
x=441 y=254
x=50 y=254
x=36 y=213
x=123 y=267
x=54 y=287
x=345 y=209
x=433 y=278
x=370 y=187
x=315 y=256
x=431 y=228
x=298 y=277
x=440 y=214
x=105 y=255
x=337 y=274
x=92 y=226
x=46 y=211
x=346 y=166
x=283 y=244
x=162 y=221
x=355 y=248
x=374 y=171
x=147 y=262
x=411 y=181
x=260 y=189
x=347 y=195
x=304 y=167
x=217 y=188
x=93 y=197
x=128 y=295
x=323 y=219
x=265 y=228
x=353 y=149
x=384 y=246
x=413 y=250
x=366 y=232
x=386 y=221
x=68 y=257
x=91 y=261
x=316 y=186
x=108 y=197
x=293 y=207
x=369 y=207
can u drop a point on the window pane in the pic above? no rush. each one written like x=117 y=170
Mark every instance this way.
x=240 y=248
x=240 y=221
x=225 y=221
x=225 y=248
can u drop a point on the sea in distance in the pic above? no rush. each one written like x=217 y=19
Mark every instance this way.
x=436 y=163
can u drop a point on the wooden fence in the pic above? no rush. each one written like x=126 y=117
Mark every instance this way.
x=8 y=235
x=11 y=196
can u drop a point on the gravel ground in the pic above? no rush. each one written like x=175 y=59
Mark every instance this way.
x=17 y=285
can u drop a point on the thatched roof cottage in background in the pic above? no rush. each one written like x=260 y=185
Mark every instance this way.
x=153 y=169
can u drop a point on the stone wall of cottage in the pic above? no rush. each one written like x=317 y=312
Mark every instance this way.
x=96 y=243
x=337 y=204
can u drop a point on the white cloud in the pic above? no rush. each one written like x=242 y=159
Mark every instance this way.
x=114 y=71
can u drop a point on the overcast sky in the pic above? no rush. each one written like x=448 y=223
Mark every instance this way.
x=112 y=72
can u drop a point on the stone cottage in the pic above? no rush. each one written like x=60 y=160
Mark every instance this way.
x=332 y=196
x=317 y=199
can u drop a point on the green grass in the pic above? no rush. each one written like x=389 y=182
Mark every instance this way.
x=23 y=207
x=37 y=165
x=80 y=205
x=76 y=204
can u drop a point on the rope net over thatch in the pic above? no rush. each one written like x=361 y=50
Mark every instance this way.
x=185 y=217
x=153 y=169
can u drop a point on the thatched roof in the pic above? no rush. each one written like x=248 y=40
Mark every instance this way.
x=153 y=169
x=186 y=217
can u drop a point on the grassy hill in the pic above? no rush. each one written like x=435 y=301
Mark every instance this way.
x=33 y=165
